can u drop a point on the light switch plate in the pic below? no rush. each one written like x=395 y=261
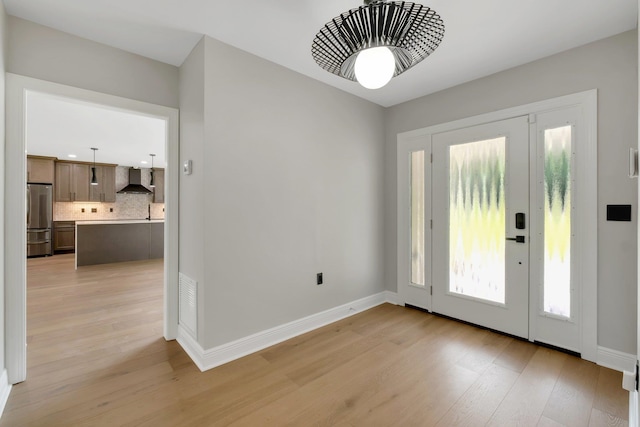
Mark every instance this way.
x=186 y=167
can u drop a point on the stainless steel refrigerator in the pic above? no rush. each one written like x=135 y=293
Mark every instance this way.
x=39 y=220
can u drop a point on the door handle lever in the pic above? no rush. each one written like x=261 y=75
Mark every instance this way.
x=519 y=239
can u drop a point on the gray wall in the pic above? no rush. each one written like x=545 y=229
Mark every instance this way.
x=292 y=184
x=47 y=54
x=3 y=62
x=610 y=65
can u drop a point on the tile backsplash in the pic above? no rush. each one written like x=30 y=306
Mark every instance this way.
x=126 y=206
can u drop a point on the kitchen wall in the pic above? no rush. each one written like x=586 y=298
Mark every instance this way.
x=126 y=206
x=608 y=65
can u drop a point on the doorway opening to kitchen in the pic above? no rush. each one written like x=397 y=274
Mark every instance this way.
x=105 y=217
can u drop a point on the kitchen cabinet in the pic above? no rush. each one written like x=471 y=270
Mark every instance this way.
x=158 y=180
x=72 y=182
x=105 y=191
x=64 y=236
x=103 y=242
x=40 y=169
x=156 y=240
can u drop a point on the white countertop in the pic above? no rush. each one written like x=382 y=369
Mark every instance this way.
x=120 y=221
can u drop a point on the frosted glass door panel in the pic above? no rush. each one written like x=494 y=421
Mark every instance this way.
x=557 y=221
x=417 y=218
x=477 y=219
x=559 y=273
x=413 y=222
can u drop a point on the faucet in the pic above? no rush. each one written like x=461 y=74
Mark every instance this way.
x=149 y=217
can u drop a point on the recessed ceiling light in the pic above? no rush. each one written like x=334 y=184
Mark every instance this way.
x=73 y=156
x=144 y=162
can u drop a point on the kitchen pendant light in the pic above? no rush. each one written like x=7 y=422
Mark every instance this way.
x=151 y=183
x=377 y=41
x=94 y=178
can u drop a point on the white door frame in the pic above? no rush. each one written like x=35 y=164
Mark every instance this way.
x=17 y=88
x=586 y=201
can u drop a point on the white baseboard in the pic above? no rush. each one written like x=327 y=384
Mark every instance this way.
x=191 y=347
x=5 y=389
x=392 y=297
x=210 y=358
x=616 y=360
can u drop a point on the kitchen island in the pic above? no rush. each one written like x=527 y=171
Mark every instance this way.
x=103 y=242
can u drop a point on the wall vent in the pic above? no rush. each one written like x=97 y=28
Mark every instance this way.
x=188 y=303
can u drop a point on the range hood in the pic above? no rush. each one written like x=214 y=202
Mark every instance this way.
x=135 y=184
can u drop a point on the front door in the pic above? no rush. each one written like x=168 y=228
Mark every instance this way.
x=497 y=221
x=480 y=211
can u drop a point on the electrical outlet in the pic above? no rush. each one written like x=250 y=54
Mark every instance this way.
x=319 y=279
x=110 y=209
x=82 y=210
x=94 y=210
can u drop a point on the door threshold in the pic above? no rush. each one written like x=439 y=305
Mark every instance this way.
x=541 y=344
x=560 y=349
x=415 y=307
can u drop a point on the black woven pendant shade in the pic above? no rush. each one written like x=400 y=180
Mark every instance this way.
x=411 y=31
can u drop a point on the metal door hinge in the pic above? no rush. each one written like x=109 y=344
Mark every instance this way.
x=431 y=290
x=431 y=157
x=431 y=224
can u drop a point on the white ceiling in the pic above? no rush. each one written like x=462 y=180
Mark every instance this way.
x=481 y=37
x=58 y=127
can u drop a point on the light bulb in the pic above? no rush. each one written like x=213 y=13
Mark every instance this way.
x=374 y=67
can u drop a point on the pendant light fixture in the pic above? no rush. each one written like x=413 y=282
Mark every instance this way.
x=377 y=41
x=94 y=178
x=151 y=183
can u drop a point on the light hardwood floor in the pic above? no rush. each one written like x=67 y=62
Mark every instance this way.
x=96 y=357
